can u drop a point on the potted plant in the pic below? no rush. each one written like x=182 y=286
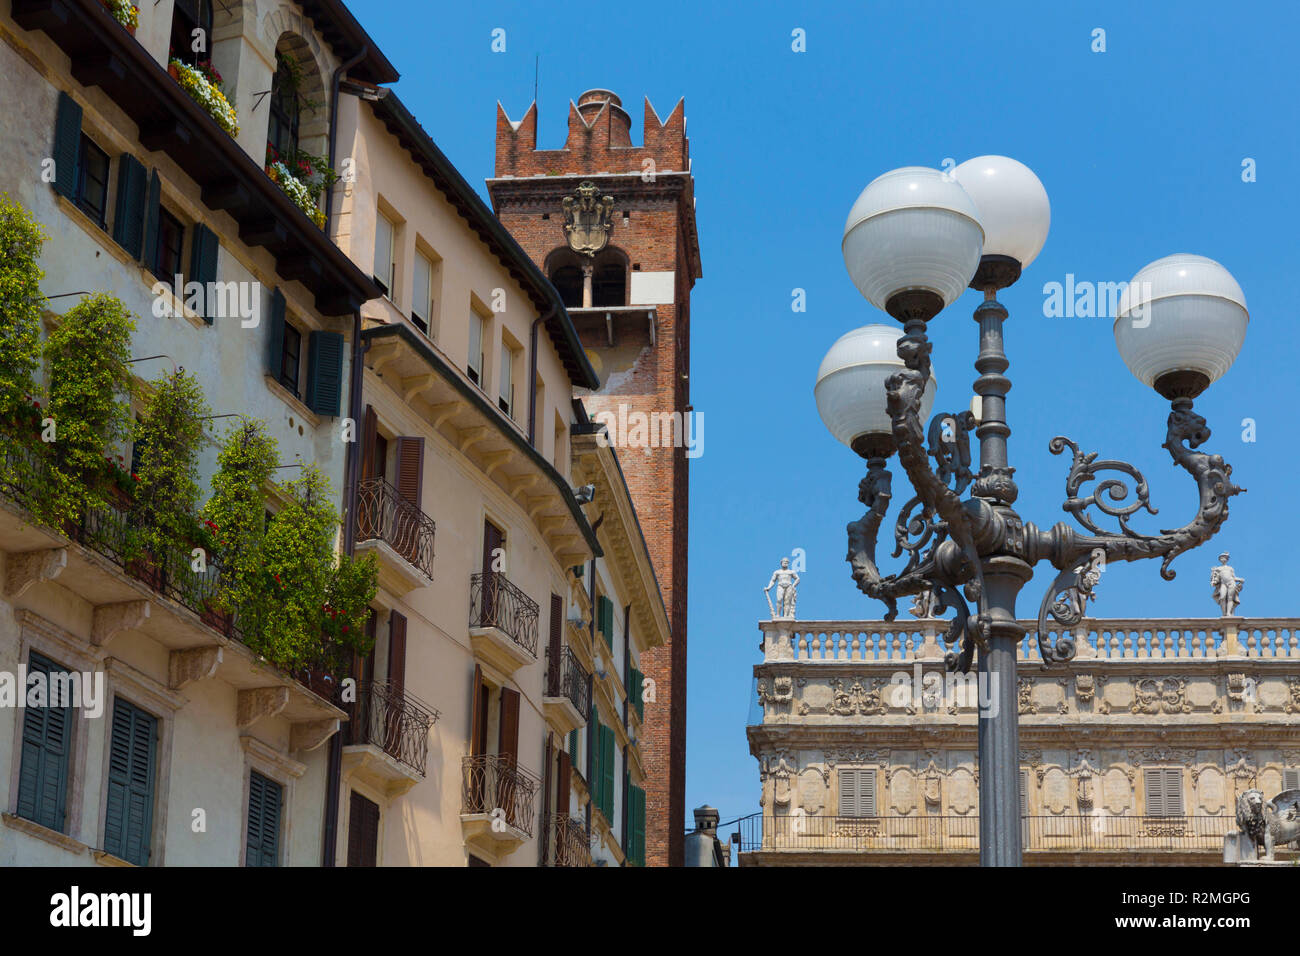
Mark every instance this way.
x=124 y=12
x=204 y=86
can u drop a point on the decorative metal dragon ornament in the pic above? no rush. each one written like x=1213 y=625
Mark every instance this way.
x=946 y=538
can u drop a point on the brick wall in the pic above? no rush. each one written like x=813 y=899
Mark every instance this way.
x=658 y=235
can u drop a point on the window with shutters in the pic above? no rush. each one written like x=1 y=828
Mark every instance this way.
x=290 y=358
x=605 y=619
x=506 y=383
x=1291 y=778
x=45 y=761
x=132 y=762
x=385 y=261
x=92 y=181
x=363 y=831
x=1164 y=791
x=857 y=797
x=265 y=810
x=170 y=247
x=477 y=338
x=324 y=391
x=424 y=282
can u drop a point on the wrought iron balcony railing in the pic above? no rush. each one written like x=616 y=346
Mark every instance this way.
x=493 y=782
x=111 y=532
x=1067 y=833
x=384 y=514
x=566 y=677
x=393 y=720
x=495 y=602
x=570 y=841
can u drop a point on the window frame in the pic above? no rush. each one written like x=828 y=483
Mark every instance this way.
x=195 y=21
x=422 y=306
x=478 y=330
x=288 y=334
x=100 y=216
x=388 y=282
x=165 y=216
x=280 y=119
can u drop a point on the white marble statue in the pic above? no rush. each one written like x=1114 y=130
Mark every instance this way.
x=925 y=605
x=1227 y=586
x=786 y=583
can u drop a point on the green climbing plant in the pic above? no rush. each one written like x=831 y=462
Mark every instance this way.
x=318 y=603
x=89 y=392
x=21 y=307
x=235 y=518
x=169 y=436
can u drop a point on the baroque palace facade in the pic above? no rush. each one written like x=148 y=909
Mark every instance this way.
x=1132 y=753
x=389 y=334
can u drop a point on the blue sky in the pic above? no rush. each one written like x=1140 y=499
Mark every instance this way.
x=1141 y=151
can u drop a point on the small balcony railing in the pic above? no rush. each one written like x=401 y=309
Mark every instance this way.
x=566 y=677
x=384 y=514
x=495 y=602
x=493 y=782
x=570 y=841
x=394 y=721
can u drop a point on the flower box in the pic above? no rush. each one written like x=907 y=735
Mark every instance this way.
x=203 y=86
x=124 y=12
x=297 y=190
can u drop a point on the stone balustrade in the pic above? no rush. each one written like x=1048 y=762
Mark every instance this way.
x=1105 y=639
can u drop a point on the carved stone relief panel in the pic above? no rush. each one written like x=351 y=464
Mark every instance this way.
x=1209 y=790
x=816 y=696
x=1117 y=791
x=963 y=792
x=1056 y=790
x=1117 y=695
x=1048 y=697
x=1202 y=692
x=812 y=790
x=902 y=791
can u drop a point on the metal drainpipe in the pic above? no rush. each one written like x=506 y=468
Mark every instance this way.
x=591 y=690
x=546 y=798
x=532 y=376
x=334 y=772
x=334 y=115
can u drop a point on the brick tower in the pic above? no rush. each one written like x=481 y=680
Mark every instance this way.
x=626 y=275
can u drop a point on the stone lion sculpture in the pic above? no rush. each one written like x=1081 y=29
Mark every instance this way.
x=1269 y=823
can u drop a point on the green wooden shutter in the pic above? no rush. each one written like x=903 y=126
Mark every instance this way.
x=128 y=817
x=203 y=265
x=635 y=692
x=128 y=215
x=636 y=825
x=605 y=618
x=46 y=751
x=325 y=373
x=265 y=798
x=595 y=739
x=152 y=207
x=573 y=747
x=275 y=354
x=607 y=769
x=67 y=147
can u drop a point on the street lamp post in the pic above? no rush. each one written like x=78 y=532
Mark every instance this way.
x=914 y=240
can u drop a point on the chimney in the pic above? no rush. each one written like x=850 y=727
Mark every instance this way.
x=706 y=820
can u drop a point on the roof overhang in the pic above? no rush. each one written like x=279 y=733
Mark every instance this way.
x=411 y=135
x=459 y=411
x=104 y=55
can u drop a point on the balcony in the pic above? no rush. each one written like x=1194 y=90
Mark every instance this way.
x=1079 y=839
x=497 y=797
x=502 y=622
x=569 y=841
x=398 y=533
x=568 y=692
x=388 y=737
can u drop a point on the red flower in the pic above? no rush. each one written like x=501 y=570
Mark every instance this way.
x=345 y=628
x=134 y=478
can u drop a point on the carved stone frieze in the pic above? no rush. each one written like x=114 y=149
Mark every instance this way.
x=1161 y=695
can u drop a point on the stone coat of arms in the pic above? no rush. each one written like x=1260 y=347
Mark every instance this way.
x=587 y=220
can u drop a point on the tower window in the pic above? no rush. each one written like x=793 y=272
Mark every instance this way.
x=568 y=283
x=609 y=286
